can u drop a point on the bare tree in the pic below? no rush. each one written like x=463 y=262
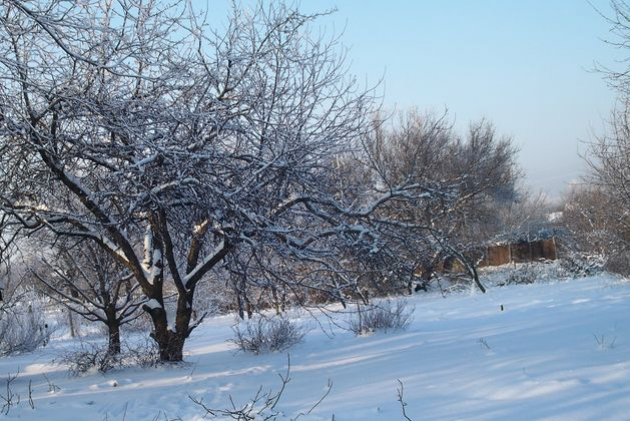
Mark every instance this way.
x=187 y=154
x=588 y=217
x=608 y=157
x=91 y=283
x=8 y=235
x=169 y=147
x=596 y=228
x=460 y=183
x=619 y=21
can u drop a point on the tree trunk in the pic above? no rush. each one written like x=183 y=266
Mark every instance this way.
x=472 y=271
x=171 y=343
x=113 y=346
x=475 y=276
x=171 y=346
x=73 y=332
x=113 y=327
x=240 y=306
x=276 y=301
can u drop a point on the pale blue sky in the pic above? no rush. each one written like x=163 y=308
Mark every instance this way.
x=523 y=64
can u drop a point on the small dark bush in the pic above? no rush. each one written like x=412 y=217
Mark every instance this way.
x=382 y=317
x=96 y=357
x=522 y=275
x=88 y=358
x=267 y=334
x=145 y=354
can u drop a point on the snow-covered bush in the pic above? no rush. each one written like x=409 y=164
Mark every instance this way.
x=382 y=317
x=522 y=275
x=529 y=273
x=23 y=327
x=578 y=265
x=267 y=334
x=452 y=283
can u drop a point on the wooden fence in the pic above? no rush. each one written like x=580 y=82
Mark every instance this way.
x=520 y=252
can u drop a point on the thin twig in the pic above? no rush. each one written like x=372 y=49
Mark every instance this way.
x=401 y=392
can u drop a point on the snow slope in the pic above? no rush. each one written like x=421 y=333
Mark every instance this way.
x=559 y=350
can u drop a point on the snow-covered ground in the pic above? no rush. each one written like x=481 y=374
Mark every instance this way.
x=559 y=350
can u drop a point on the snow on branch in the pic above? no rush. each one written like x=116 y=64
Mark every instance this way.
x=216 y=252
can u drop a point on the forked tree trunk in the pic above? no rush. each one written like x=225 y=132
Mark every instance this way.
x=171 y=345
x=171 y=342
x=158 y=245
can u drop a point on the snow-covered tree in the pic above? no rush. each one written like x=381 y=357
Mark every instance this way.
x=172 y=147
x=608 y=157
x=456 y=185
x=595 y=228
x=89 y=282
x=186 y=153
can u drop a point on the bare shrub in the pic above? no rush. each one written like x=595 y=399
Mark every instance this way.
x=22 y=323
x=263 y=405
x=9 y=398
x=89 y=357
x=382 y=317
x=97 y=357
x=262 y=335
x=145 y=354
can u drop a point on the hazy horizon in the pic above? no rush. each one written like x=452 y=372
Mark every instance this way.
x=527 y=67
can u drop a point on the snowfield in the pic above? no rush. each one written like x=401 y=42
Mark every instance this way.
x=558 y=350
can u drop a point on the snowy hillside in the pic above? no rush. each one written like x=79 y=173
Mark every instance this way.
x=559 y=350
